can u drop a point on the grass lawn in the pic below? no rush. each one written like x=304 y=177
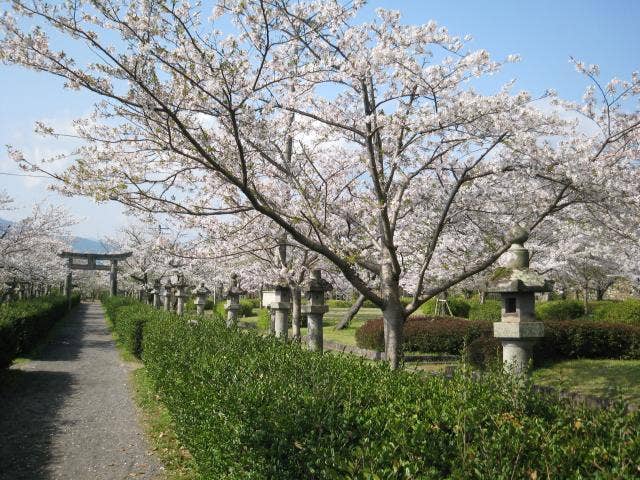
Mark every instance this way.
x=618 y=379
x=346 y=336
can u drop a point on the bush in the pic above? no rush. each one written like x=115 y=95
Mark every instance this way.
x=559 y=310
x=264 y=319
x=425 y=334
x=627 y=311
x=459 y=307
x=489 y=311
x=24 y=322
x=252 y=407
x=338 y=303
x=568 y=339
x=579 y=339
x=128 y=318
x=246 y=308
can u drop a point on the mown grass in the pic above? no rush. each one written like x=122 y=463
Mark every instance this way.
x=615 y=379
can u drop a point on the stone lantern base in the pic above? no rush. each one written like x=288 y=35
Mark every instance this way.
x=517 y=340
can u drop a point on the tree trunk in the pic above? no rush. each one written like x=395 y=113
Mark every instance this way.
x=353 y=311
x=482 y=297
x=296 y=301
x=393 y=316
x=585 y=299
x=600 y=293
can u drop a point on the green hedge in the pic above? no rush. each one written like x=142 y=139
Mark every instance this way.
x=627 y=311
x=338 y=303
x=425 y=334
x=489 y=311
x=24 y=322
x=128 y=318
x=559 y=310
x=252 y=407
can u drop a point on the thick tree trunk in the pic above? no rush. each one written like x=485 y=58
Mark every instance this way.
x=393 y=316
x=585 y=299
x=353 y=311
x=296 y=301
x=600 y=293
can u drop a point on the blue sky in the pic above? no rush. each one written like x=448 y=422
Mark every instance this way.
x=545 y=33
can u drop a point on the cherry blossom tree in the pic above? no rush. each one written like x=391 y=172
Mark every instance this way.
x=366 y=143
x=28 y=246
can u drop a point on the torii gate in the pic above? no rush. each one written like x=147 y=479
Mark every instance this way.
x=91 y=264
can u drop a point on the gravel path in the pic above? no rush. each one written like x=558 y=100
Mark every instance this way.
x=68 y=414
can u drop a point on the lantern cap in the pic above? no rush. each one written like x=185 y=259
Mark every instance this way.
x=315 y=283
x=234 y=287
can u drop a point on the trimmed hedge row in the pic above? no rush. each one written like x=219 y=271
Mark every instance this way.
x=250 y=407
x=426 y=334
x=128 y=318
x=24 y=322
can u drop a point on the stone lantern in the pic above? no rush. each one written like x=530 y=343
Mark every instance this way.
x=142 y=293
x=280 y=308
x=201 y=294
x=314 y=289
x=232 y=305
x=518 y=328
x=167 y=295
x=156 y=293
x=180 y=294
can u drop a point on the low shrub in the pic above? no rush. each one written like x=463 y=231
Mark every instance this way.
x=332 y=303
x=128 y=318
x=264 y=319
x=24 y=322
x=559 y=310
x=246 y=308
x=579 y=339
x=489 y=311
x=253 y=407
x=459 y=307
x=627 y=311
x=425 y=334
x=568 y=339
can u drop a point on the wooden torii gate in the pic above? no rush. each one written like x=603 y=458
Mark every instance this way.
x=88 y=261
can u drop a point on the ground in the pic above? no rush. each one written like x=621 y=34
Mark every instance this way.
x=67 y=413
x=619 y=379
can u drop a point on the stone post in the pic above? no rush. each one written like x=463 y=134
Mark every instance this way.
x=232 y=305
x=201 y=294
x=167 y=295
x=280 y=309
x=180 y=294
x=314 y=290
x=157 y=286
x=518 y=328
x=142 y=293
x=114 y=278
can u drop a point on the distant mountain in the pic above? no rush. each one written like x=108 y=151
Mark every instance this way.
x=78 y=244
x=81 y=244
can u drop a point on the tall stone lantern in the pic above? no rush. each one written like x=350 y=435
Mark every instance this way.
x=518 y=328
x=157 y=302
x=232 y=305
x=314 y=289
x=280 y=308
x=167 y=295
x=201 y=294
x=180 y=294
